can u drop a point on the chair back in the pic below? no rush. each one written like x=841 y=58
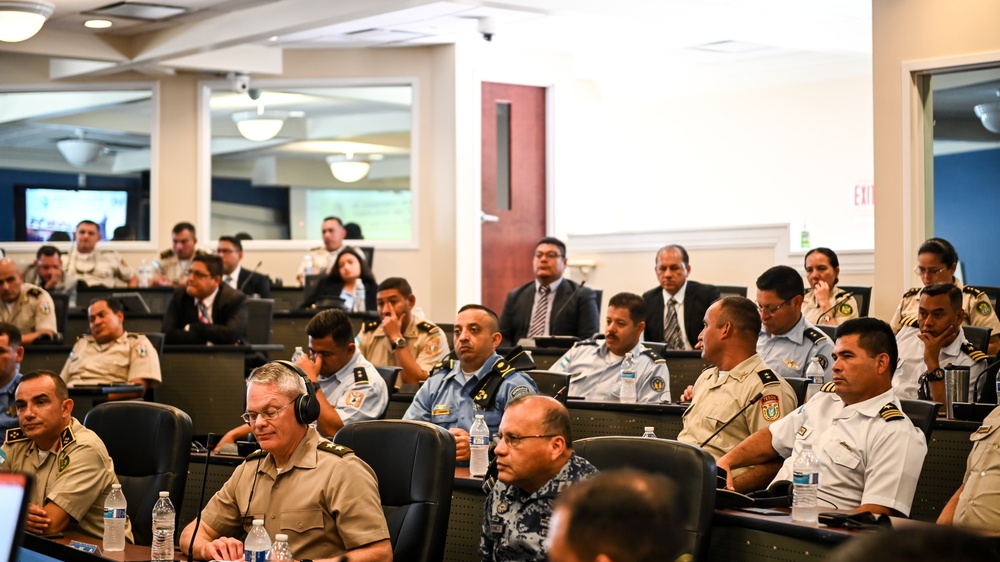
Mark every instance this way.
x=979 y=337
x=260 y=315
x=799 y=385
x=61 y=305
x=863 y=295
x=830 y=331
x=922 y=413
x=691 y=467
x=684 y=367
x=732 y=290
x=150 y=445
x=390 y=375
x=415 y=465
x=552 y=383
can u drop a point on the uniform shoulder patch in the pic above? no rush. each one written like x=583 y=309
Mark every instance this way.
x=591 y=341
x=984 y=308
x=974 y=352
x=972 y=290
x=370 y=326
x=912 y=292
x=890 y=412
x=361 y=376
x=15 y=434
x=846 y=309
x=910 y=321
x=814 y=335
x=654 y=356
x=166 y=254
x=767 y=377
x=426 y=326
x=442 y=367
x=828 y=387
x=259 y=453
x=338 y=450
x=66 y=437
x=34 y=292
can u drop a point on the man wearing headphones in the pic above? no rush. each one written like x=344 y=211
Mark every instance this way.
x=320 y=494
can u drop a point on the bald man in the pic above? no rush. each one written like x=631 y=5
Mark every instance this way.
x=27 y=306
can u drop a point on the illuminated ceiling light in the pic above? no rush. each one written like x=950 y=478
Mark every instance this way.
x=22 y=20
x=97 y=24
x=346 y=169
x=80 y=152
x=260 y=125
x=989 y=114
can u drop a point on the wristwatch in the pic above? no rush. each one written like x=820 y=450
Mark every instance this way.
x=398 y=343
x=934 y=375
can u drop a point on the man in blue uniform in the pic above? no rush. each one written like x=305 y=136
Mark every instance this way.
x=787 y=342
x=11 y=353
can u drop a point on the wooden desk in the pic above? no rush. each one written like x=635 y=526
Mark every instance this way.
x=59 y=549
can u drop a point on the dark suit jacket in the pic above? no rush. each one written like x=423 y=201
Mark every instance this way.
x=254 y=283
x=697 y=298
x=229 y=318
x=578 y=318
x=330 y=287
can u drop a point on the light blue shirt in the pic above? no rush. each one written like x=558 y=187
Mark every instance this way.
x=8 y=415
x=790 y=353
x=599 y=371
x=354 y=398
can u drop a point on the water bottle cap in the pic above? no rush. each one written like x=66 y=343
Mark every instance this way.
x=164 y=494
x=649 y=428
x=479 y=416
x=281 y=537
x=116 y=486
x=258 y=522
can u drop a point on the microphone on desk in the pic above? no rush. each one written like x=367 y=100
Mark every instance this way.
x=201 y=498
x=752 y=401
x=252 y=273
x=569 y=299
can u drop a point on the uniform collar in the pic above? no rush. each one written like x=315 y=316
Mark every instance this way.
x=869 y=408
x=304 y=455
x=796 y=334
x=347 y=369
x=745 y=367
x=485 y=368
x=603 y=351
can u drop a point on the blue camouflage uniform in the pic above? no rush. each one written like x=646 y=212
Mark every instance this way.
x=600 y=372
x=8 y=414
x=357 y=391
x=515 y=523
x=790 y=353
x=444 y=398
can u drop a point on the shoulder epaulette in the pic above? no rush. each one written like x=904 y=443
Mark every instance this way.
x=133 y=335
x=911 y=292
x=653 y=355
x=166 y=254
x=370 y=326
x=591 y=341
x=15 y=434
x=910 y=321
x=426 y=326
x=338 y=450
x=814 y=335
x=828 y=387
x=890 y=412
x=443 y=367
x=972 y=290
x=484 y=394
x=360 y=376
x=974 y=352
x=255 y=455
x=66 y=437
x=34 y=292
x=200 y=252
x=767 y=377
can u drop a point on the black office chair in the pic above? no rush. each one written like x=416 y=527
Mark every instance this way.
x=260 y=316
x=61 y=305
x=685 y=367
x=156 y=339
x=979 y=337
x=732 y=290
x=390 y=375
x=830 y=331
x=991 y=292
x=552 y=383
x=863 y=295
x=691 y=467
x=150 y=445
x=800 y=385
x=922 y=413
x=415 y=465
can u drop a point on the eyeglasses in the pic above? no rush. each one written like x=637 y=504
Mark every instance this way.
x=514 y=441
x=197 y=274
x=550 y=255
x=921 y=271
x=771 y=309
x=268 y=415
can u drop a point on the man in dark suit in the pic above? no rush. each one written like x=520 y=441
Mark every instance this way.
x=691 y=300
x=549 y=305
x=206 y=310
x=230 y=249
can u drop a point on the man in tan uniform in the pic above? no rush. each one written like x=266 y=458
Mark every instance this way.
x=72 y=470
x=97 y=268
x=326 y=496
x=109 y=354
x=976 y=503
x=322 y=258
x=398 y=339
x=24 y=305
x=729 y=341
x=175 y=262
x=47 y=272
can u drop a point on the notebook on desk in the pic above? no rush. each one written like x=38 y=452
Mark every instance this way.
x=15 y=491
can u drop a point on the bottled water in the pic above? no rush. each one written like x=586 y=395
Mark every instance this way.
x=145 y=275
x=298 y=354
x=307 y=266
x=805 y=483
x=163 y=529
x=114 y=520
x=649 y=432
x=627 y=393
x=257 y=546
x=280 y=552
x=814 y=373
x=479 y=446
x=359 y=297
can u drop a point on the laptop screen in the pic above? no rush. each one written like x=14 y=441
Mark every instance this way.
x=15 y=490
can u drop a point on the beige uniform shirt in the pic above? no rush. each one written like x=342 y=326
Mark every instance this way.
x=426 y=341
x=716 y=399
x=100 y=268
x=125 y=359
x=77 y=475
x=979 y=503
x=978 y=309
x=843 y=309
x=174 y=268
x=33 y=310
x=326 y=500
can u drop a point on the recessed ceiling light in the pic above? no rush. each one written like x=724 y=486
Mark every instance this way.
x=272 y=38
x=97 y=24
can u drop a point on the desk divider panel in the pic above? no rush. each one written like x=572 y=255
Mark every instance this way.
x=943 y=469
x=207 y=382
x=49 y=357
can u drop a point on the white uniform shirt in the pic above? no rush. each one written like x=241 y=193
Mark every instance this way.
x=600 y=373
x=911 y=363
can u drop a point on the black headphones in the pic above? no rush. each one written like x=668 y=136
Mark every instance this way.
x=306 y=406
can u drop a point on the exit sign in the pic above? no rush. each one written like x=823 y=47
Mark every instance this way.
x=864 y=195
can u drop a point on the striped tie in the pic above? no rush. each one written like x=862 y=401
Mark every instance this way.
x=671 y=328
x=537 y=327
x=203 y=313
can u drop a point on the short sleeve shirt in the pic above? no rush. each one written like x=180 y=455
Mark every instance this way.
x=426 y=341
x=979 y=503
x=910 y=365
x=599 y=372
x=357 y=390
x=129 y=357
x=33 y=310
x=789 y=354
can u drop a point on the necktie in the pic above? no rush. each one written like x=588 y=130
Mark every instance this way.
x=229 y=280
x=203 y=313
x=671 y=328
x=537 y=326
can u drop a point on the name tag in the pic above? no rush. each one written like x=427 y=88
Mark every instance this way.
x=440 y=410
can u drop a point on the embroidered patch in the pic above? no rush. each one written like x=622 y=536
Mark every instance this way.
x=433 y=345
x=658 y=384
x=823 y=361
x=355 y=398
x=846 y=309
x=44 y=308
x=140 y=350
x=519 y=390
x=64 y=464
x=984 y=308
x=503 y=507
x=770 y=406
x=440 y=410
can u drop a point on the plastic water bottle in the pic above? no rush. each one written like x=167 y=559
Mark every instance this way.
x=145 y=275
x=359 y=297
x=814 y=374
x=163 y=529
x=257 y=546
x=805 y=483
x=280 y=551
x=627 y=393
x=649 y=432
x=307 y=266
x=298 y=354
x=114 y=520
x=479 y=447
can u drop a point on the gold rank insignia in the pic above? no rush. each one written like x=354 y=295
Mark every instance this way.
x=984 y=429
x=15 y=434
x=63 y=464
x=12 y=411
x=481 y=395
x=890 y=412
x=66 y=437
x=338 y=450
x=792 y=364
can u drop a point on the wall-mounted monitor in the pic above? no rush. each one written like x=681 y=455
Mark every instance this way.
x=41 y=211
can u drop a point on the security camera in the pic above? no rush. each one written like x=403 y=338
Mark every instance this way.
x=239 y=82
x=487 y=27
x=254 y=93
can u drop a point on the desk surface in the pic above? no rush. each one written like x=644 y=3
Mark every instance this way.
x=59 y=549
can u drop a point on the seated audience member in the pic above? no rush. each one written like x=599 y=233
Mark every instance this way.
x=352 y=231
x=675 y=309
x=230 y=250
x=616 y=516
x=109 y=354
x=11 y=353
x=550 y=305
x=59 y=236
x=976 y=503
x=97 y=268
x=206 y=310
x=350 y=272
x=933 y=340
x=324 y=258
x=535 y=462
x=47 y=272
x=72 y=470
x=481 y=382
x=175 y=262
x=298 y=476
x=27 y=306
x=243 y=236
x=824 y=302
x=870 y=454
x=398 y=339
x=599 y=362
x=923 y=543
x=348 y=388
x=787 y=342
x=123 y=232
x=937 y=261
x=729 y=341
